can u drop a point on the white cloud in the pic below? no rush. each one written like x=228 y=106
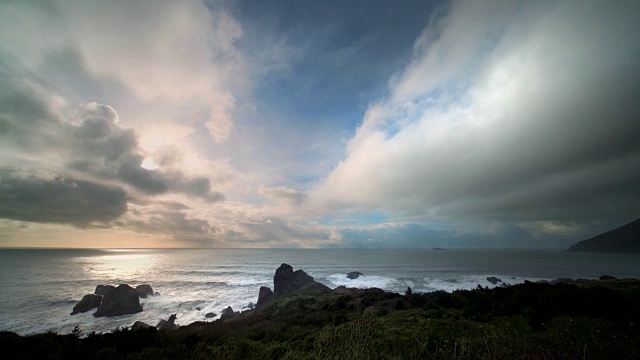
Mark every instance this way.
x=497 y=103
x=167 y=51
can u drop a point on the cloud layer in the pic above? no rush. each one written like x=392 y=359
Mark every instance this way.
x=518 y=112
x=237 y=124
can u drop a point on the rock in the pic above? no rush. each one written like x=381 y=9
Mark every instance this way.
x=168 y=324
x=198 y=308
x=210 y=315
x=354 y=275
x=156 y=294
x=562 y=281
x=122 y=300
x=264 y=295
x=87 y=303
x=607 y=277
x=144 y=290
x=286 y=281
x=227 y=313
x=494 y=280
x=103 y=290
x=139 y=325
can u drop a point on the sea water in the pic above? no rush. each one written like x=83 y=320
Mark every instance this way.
x=39 y=287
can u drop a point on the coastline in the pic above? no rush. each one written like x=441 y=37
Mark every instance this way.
x=308 y=320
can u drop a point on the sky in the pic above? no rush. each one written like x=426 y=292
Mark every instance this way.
x=317 y=124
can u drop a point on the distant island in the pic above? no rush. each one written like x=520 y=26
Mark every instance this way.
x=625 y=239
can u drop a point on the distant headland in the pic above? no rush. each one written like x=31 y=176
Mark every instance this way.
x=625 y=239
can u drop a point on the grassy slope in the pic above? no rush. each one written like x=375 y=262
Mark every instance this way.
x=598 y=320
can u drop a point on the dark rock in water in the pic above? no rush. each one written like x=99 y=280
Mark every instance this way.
x=122 y=300
x=168 y=324
x=144 y=290
x=607 y=277
x=264 y=295
x=139 y=325
x=494 y=280
x=562 y=281
x=103 y=290
x=156 y=294
x=87 y=303
x=210 y=315
x=198 y=308
x=286 y=281
x=354 y=275
x=227 y=313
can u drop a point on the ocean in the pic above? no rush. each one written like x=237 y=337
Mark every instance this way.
x=39 y=287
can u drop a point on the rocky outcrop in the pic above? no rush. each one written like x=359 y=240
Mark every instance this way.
x=168 y=324
x=227 y=313
x=354 y=275
x=494 y=280
x=607 y=277
x=103 y=290
x=144 y=290
x=264 y=295
x=122 y=300
x=286 y=281
x=210 y=315
x=87 y=303
x=139 y=325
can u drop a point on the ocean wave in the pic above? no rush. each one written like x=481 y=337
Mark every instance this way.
x=468 y=282
x=247 y=282
x=365 y=281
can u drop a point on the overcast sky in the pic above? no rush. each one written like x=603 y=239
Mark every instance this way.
x=374 y=124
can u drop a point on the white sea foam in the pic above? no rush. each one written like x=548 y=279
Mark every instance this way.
x=468 y=282
x=365 y=281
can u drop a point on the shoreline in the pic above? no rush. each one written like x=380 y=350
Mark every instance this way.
x=304 y=319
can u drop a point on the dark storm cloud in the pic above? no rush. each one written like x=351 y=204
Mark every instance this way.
x=46 y=198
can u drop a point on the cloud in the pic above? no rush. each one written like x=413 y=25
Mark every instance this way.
x=50 y=198
x=279 y=194
x=173 y=225
x=174 y=52
x=516 y=112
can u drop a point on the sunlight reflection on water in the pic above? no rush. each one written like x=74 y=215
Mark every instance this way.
x=119 y=264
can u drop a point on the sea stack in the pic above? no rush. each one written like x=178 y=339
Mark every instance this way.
x=122 y=300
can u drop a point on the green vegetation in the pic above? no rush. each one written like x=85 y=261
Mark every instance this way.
x=592 y=320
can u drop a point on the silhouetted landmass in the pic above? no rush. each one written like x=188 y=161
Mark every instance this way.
x=590 y=319
x=625 y=239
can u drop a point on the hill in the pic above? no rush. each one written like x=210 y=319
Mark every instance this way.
x=625 y=239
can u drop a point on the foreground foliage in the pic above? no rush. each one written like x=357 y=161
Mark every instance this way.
x=594 y=320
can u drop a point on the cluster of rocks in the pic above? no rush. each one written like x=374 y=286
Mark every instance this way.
x=114 y=301
x=286 y=281
x=163 y=325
